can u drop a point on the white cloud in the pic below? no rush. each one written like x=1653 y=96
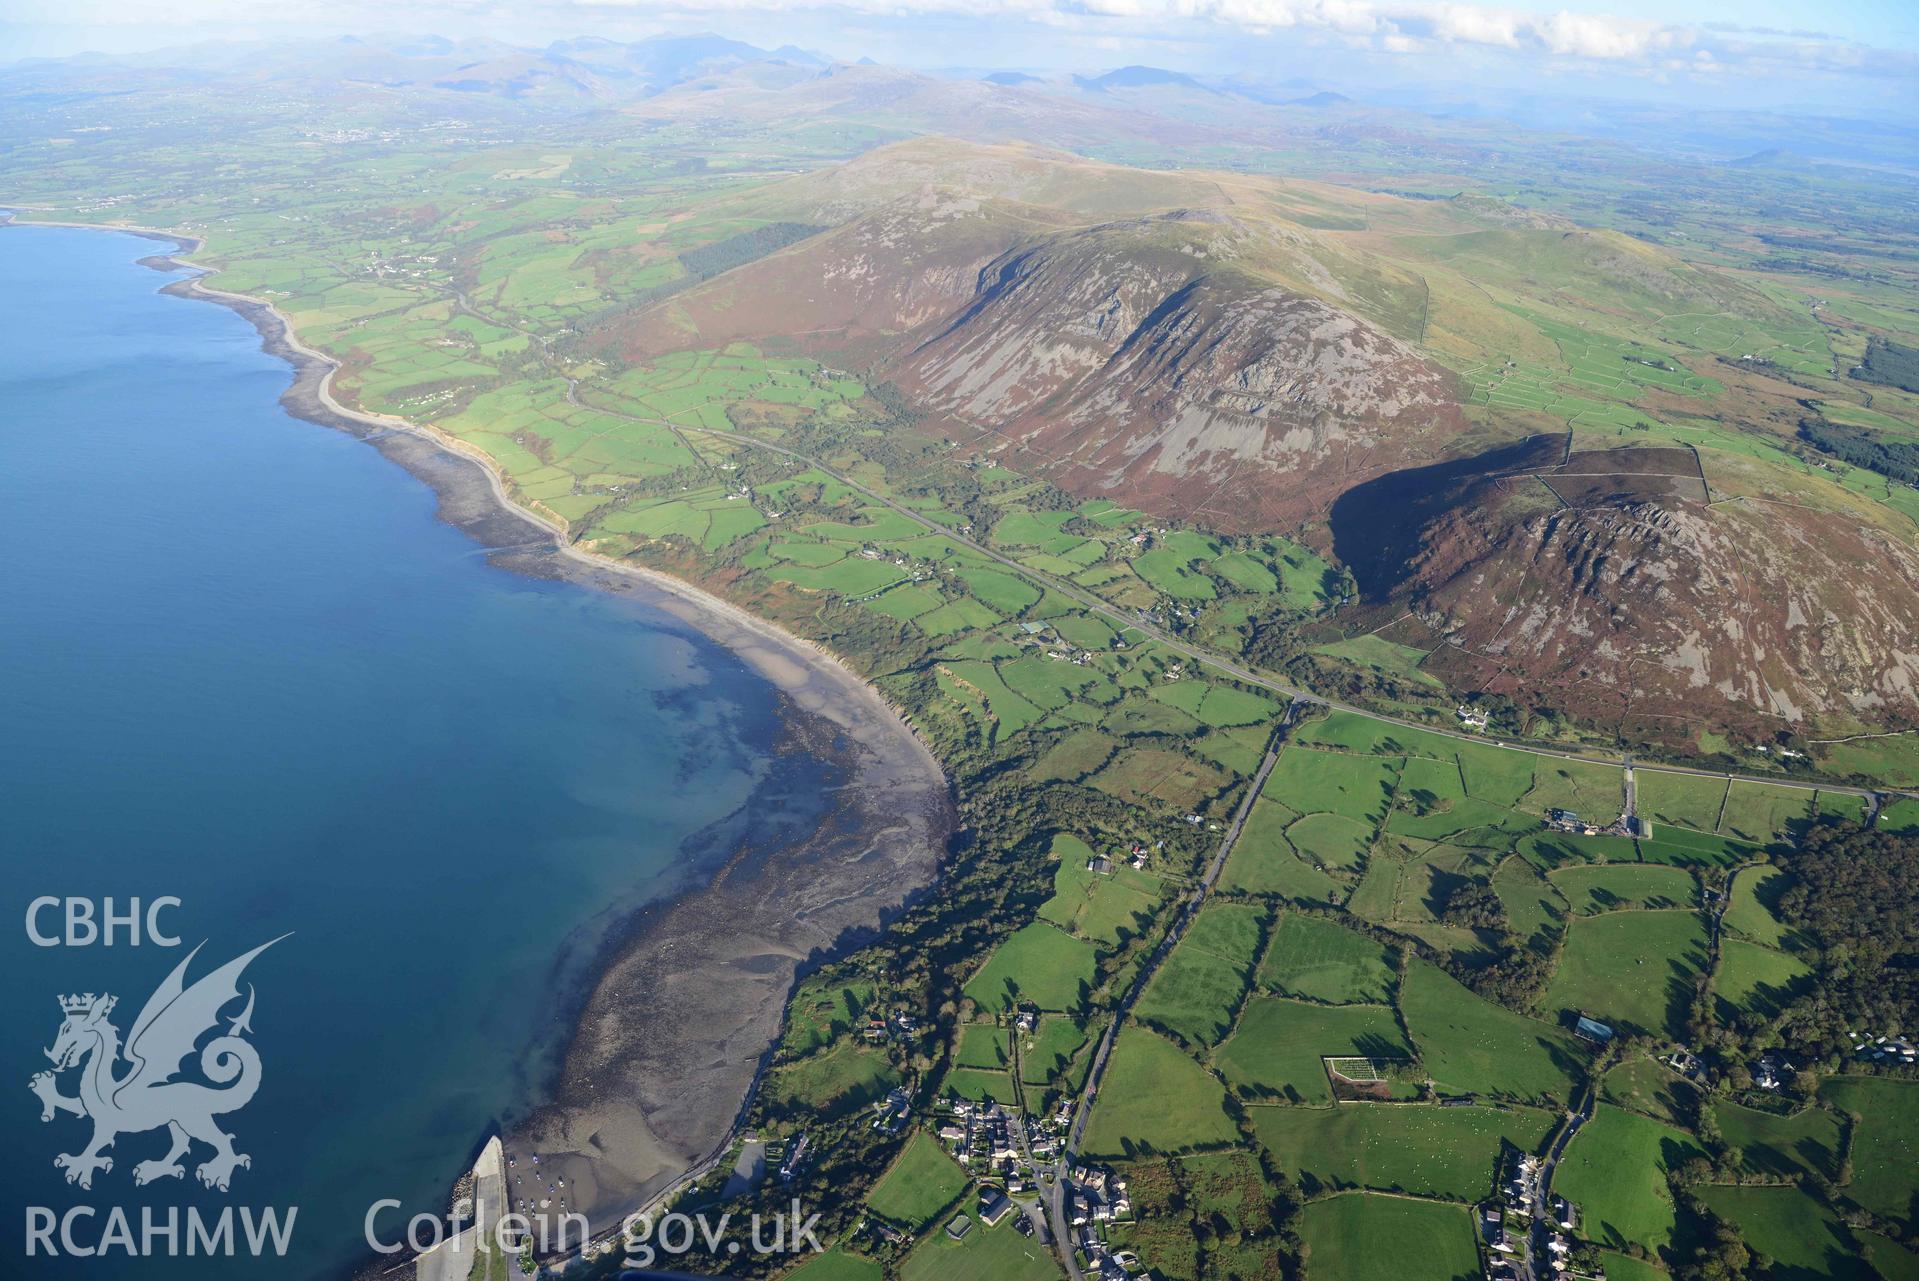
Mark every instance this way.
x=1391 y=27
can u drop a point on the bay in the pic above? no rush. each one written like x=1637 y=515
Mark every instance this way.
x=243 y=664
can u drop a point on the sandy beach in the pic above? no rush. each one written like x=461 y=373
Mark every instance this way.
x=689 y=994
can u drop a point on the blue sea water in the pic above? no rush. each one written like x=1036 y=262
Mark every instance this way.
x=242 y=664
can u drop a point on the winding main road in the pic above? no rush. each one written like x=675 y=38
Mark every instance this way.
x=1131 y=621
x=1056 y=1196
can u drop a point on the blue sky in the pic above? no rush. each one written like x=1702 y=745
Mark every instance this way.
x=1860 y=54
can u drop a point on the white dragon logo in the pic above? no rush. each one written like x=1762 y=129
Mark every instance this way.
x=147 y=1097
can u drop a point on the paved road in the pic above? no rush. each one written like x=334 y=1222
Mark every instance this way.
x=1056 y=1202
x=1129 y=620
x=1173 y=935
x=1543 y=1188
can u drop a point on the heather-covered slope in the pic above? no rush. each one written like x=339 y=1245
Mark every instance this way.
x=1158 y=339
x=1138 y=361
x=1610 y=586
x=1256 y=355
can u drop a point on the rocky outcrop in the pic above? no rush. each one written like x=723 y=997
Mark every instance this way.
x=1141 y=360
x=1774 y=613
x=1136 y=361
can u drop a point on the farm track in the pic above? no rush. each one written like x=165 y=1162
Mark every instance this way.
x=1056 y=1196
x=1129 y=621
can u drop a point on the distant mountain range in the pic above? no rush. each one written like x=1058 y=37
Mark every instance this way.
x=1258 y=357
x=585 y=71
x=1139 y=78
x=1253 y=354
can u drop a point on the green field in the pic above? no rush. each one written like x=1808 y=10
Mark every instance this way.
x=1276 y=1050
x=822 y=1011
x=1074 y=757
x=1765 y=814
x=1648 y=1086
x=1893 y=760
x=1894 y=1262
x=838 y=1265
x=920 y=1184
x=1687 y=800
x=1756 y=979
x=1264 y=861
x=1363 y=1236
x=837 y=1080
x=980 y=1084
x=1417 y=1148
x=1154 y=1098
x=1354 y=787
x=1194 y=994
x=1322 y=960
x=1550 y=850
x=1168 y=566
x=1102 y=908
x=1382 y=656
x=1595 y=792
x=1885 y=1144
x=1749 y=913
x=1366 y=735
x=1635 y=970
x=998 y=1253
x=1472 y=1046
x=1900 y=816
x=1623 y=1267
x=1802 y=1237
x=1615 y=1169
x=1040 y=964
x=1467 y=820
x=1052 y=1050
x=1225 y=707
x=1330 y=840
x=1610 y=887
x=982 y=1045
x=1533 y=906
x=1684 y=848
x=1496 y=775
x=1783 y=1147
x=1840 y=805
x=1429 y=786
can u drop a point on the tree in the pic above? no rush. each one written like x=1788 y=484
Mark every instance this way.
x=1720 y=1255
x=1473 y=905
x=1854 y=895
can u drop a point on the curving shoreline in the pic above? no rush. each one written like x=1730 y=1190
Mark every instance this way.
x=762 y=644
x=687 y=996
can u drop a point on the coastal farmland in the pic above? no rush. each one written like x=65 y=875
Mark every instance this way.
x=1356 y=1053
x=923 y=1182
x=1380 y=1238
x=1616 y=1171
x=1375 y=1010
